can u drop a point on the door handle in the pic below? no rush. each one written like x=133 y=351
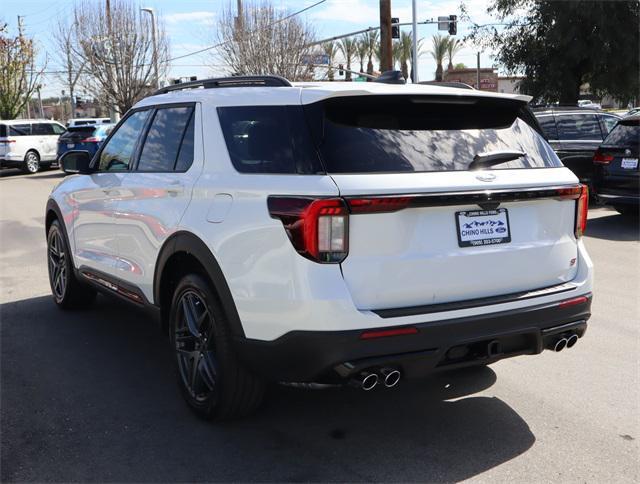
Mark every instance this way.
x=109 y=191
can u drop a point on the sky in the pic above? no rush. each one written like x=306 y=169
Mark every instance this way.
x=191 y=26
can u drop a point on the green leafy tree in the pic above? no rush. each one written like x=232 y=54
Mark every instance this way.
x=349 y=47
x=405 y=47
x=453 y=47
x=363 y=48
x=330 y=49
x=372 y=37
x=438 y=52
x=18 y=76
x=559 y=46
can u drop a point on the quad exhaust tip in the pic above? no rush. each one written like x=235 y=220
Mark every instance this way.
x=391 y=377
x=560 y=345
x=368 y=381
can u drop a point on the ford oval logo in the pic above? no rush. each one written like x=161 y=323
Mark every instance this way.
x=486 y=177
x=501 y=230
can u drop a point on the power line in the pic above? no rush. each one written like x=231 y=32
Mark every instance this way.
x=265 y=28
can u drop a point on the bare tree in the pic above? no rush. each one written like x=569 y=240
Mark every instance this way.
x=265 y=40
x=117 y=49
x=18 y=75
x=63 y=36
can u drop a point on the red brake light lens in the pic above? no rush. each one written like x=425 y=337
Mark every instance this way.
x=91 y=139
x=600 y=158
x=582 y=210
x=377 y=204
x=317 y=227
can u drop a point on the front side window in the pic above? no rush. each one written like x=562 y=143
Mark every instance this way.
x=162 y=145
x=575 y=127
x=119 y=151
x=608 y=122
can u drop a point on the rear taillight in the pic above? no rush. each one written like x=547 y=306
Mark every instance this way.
x=581 y=211
x=6 y=141
x=377 y=204
x=600 y=158
x=91 y=139
x=317 y=227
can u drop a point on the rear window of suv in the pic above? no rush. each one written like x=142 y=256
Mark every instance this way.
x=391 y=134
x=625 y=134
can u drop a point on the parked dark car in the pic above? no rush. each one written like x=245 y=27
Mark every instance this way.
x=575 y=134
x=616 y=174
x=87 y=138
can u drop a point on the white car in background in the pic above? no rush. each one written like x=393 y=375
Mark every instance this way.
x=29 y=144
x=72 y=123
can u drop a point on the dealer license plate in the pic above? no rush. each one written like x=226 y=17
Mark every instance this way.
x=483 y=227
x=629 y=163
x=70 y=146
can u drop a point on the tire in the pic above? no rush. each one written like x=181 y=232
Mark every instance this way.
x=627 y=210
x=31 y=162
x=212 y=380
x=67 y=291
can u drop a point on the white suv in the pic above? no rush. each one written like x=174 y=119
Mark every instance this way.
x=29 y=143
x=326 y=233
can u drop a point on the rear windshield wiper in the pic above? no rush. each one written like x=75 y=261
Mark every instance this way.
x=490 y=158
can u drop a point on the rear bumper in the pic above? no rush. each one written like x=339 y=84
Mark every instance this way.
x=333 y=356
x=619 y=197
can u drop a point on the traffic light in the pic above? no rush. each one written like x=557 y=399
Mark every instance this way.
x=395 y=29
x=340 y=70
x=453 y=24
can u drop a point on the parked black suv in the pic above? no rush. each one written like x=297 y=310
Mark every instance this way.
x=575 y=134
x=616 y=173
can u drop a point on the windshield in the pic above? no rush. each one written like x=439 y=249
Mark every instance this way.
x=393 y=134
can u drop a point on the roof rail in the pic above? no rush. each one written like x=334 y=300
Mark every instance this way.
x=231 y=81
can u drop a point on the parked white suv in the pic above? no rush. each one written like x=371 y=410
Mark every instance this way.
x=29 y=143
x=326 y=232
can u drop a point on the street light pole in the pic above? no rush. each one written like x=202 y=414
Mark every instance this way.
x=414 y=47
x=155 y=43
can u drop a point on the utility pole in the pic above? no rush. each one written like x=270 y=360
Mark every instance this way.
x=155 y=44
x=386 y=53
x=478 y=73
x=414 y=47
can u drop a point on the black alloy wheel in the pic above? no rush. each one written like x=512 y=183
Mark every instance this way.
x=194 y=346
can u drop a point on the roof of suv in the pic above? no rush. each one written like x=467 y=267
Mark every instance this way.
x=309 y=92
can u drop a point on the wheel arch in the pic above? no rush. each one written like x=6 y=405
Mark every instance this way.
x=185 y=252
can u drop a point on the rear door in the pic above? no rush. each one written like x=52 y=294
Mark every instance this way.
x=155 y=193
x=421 y=229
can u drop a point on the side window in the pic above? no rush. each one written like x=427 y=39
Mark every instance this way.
x=185 y=157
x=268 y=139
x=548 y=125
x=57 y=129
x=20 y=130
x=41 y=129
x=578 y=127
x=608 y=122
x=118 y=152
x=161 y=147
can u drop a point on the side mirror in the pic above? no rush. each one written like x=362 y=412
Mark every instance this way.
x=76 y=162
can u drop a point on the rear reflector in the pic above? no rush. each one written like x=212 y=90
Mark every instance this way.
x=388 y=332
x=573 y=302
x=6 y=141
x=582 y=210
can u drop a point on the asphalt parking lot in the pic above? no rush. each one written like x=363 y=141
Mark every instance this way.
x=90 y=395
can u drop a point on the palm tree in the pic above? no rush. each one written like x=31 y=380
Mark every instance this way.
x=349 y=48
x=405 y=47
x=396 y=53
x=363 y=49
x=454 y=46
x=371 y=38
x=440 y=43
x=330 y=50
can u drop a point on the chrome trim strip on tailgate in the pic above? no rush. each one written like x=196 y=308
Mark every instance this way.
x=472 y=303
